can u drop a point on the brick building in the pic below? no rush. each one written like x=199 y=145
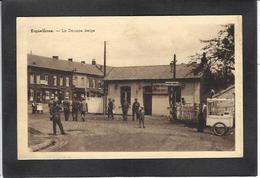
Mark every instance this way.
x=54 y=76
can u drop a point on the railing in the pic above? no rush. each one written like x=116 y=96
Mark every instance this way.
x=188 y=111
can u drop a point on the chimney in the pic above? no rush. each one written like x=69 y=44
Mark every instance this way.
x=82 y=62
x=93 y=61
x=70 y=59
x=55 y=57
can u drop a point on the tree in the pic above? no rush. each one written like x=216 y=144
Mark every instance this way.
x=216 y=63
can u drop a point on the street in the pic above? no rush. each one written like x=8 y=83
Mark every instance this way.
x=98 y=134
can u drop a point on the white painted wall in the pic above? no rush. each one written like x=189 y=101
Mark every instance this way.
x=95 y=104
x=160 y=103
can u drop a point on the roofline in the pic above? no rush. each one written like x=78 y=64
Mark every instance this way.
x=65 y=70
x=121 y=80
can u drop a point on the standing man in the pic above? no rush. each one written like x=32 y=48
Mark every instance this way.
x=66 y=108
x=110 y=108
x=56 y=118
x=125 y=107
x=135 y=109
x=83 y=108
x=75 y=109
x=202 y=117
x=50 y=104
x=140 y=116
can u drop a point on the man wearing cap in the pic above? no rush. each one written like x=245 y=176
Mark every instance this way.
x=50 y=104
x=66 y=108
x=83 y=108
x=135 y=108
x=56 y=118
x=125 y=107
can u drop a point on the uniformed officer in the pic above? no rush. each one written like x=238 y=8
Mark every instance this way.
x=75 y=109
x=56 y=118
x=66 y=108
x=140 y=116
x=110 y=108
x=50 y=104
x=125 y=107
x=83 y=109
x=135 y=109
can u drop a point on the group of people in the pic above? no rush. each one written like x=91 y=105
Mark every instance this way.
x=55 y=106
x=76 y=107
x=137 y=111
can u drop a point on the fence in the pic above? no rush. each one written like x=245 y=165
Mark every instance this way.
x=188 y=112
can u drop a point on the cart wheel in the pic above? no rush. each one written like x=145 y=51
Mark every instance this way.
x=220 y=129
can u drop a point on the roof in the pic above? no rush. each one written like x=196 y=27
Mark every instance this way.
x=63 y=65
x=224 y=91
x=156 y=72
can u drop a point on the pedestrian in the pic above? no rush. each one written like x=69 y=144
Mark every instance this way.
x=83 y=108
x=140 y=116
x=202 y=117
x=50 y=104
x=125 y=107
x=56 y=117
x=114 y=107
x=34 y=107
x=110 y=108
x=66 y=108
x=75 y=109
x=135 y=109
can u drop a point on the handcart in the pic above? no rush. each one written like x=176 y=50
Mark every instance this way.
x=220 y=115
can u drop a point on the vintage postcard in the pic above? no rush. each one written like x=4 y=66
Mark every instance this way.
x=120 y=87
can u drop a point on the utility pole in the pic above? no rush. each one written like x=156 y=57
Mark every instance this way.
x=174 y=113
x=104 y=84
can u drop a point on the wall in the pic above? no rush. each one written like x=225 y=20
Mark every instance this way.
x=95 y=104
x=160 y=103
x=136 y=92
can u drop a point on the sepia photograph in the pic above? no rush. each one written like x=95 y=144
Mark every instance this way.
x=129 y=87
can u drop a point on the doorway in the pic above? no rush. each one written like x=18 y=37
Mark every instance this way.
x=125 y=93
x=147 y=98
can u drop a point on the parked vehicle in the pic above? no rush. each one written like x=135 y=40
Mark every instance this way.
x=220 y=115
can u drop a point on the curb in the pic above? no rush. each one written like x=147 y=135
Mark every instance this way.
x=43 y=145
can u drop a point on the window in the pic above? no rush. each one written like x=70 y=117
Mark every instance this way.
x=47 y=95
x=46 y=78
x=94 y=83
x=31 y=95
x=32 y=79
x=55 y=80
x=82 y=82
x=67 y=81
x=37 y=79
x=61 y=81
x=99 y=84
x=87 y=82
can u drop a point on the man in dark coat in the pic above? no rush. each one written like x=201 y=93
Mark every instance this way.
x=202 y=117
x=56 y=117
x=50 y=104
x=135 y=109
x=75 y=109
x=110 y=108
x=125 y=107
x=66 y=108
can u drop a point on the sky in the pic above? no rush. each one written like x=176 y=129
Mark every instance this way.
x=131 y=41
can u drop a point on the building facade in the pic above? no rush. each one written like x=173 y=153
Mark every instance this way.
x=147 y=84
x=56 y=77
